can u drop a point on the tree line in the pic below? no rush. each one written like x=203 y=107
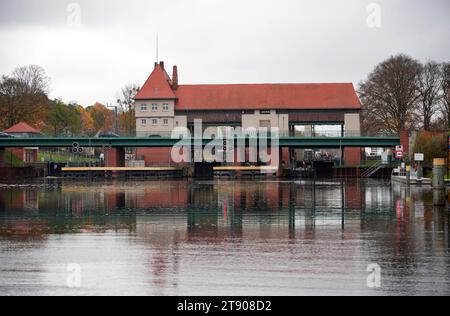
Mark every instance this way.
x=24 y=97
x=402 y=93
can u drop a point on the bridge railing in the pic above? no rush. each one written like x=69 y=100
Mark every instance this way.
x=168 y=134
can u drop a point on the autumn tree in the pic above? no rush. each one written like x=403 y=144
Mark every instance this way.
x=102 y=118
x=126 y=107
x=87 y=122
x=23 y=96
x=63 y=120
x=389 y=96
x=430 y=93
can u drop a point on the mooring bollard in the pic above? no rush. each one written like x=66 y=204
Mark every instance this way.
x=408 y=175
x=439 y=193
x=439 y=174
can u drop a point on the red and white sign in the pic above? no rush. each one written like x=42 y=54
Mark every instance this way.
x=399 y=155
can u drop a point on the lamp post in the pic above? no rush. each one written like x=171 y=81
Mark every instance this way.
x=116 y=110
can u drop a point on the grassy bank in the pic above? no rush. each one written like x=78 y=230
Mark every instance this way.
x=63 y=158
x=45 y=157
x=12 y=160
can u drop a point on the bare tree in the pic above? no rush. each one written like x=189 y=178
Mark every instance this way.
x=445 y=97
x=31 y=80
x=389 y=95
x=126 y=106
x=429 y=90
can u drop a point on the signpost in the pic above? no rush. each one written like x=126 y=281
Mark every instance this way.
x=419 y=157
x=399 y=152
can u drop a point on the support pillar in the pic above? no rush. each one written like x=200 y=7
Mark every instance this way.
x=352 y=156
x=285 y=157
x=352 y=127
x=439 y=192
x=115 y=157
x=2 y=157
x=280 y=171
x=404 y=141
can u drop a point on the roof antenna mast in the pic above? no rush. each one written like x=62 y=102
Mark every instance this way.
x=157 y=48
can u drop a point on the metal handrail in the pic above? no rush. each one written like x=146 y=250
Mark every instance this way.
x=294 y=134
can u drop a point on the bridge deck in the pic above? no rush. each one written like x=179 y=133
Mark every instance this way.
x=114 y=169
x=136 y=142
x=251 y=168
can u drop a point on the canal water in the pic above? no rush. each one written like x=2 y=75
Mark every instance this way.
x=222 y=238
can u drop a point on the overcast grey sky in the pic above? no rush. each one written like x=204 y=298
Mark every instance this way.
x=214 y=41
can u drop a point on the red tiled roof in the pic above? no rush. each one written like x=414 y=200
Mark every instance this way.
x=157 y=86
x=22 y=127
x=321 y=96
x=267 y=96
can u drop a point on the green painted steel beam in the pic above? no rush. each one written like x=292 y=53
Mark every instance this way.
x=338 y=142
x=292 y=142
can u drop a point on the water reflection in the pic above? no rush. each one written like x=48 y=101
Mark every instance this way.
x=224 y=237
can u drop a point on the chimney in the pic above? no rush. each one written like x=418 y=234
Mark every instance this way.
x=162 y=64
x=175 y=78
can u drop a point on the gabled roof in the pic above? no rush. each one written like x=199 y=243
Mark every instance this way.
x=157 y=86
x=323 y=96
x=22 y=127
x=290 y=96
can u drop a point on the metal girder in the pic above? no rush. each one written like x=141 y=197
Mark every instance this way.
x=292 y=142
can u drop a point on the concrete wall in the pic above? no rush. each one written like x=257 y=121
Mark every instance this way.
x=352 y=127
x=115 y=157
x=352 y=124
x=257 y=119
x=155 y=156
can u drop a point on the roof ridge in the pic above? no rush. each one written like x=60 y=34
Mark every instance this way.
x=266 y=84
x=22 y=127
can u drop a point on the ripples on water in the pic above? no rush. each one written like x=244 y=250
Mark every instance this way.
x=222 y=238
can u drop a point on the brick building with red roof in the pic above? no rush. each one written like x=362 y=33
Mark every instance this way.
x=22 y=129
x=162 y=104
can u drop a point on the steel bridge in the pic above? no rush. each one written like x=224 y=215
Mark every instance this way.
x=156 y=142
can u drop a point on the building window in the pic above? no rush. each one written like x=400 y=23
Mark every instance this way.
x=166 y=122
x=165 y=107
x=144 y=108
x=28 y=156
x=144 y=122
x=265 y=112
x=154 y=107
x=155 y=122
